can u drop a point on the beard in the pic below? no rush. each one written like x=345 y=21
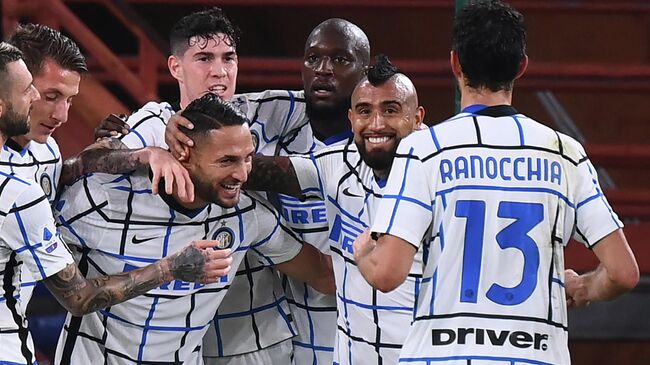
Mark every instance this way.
x=208 y=193
x=13 y=123
x=337 y=111
x=377 y=160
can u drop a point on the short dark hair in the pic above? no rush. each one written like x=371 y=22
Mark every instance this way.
x=204 y=25
x=381 y=71
x=489 y=38
x=211 y=112
x=8 y=54
x=39 y=42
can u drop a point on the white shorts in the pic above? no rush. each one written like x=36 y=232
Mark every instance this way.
x=278 y=354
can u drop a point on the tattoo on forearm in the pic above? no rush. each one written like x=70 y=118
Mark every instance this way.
x=188 y=265
x=75 y=293
x=273 y=174
x=110 y=156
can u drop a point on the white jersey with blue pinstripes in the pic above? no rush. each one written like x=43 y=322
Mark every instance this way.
x=278 y=122
x=372 y=325
x=42 y=163
x=28 y=242
x=119 y=225
x=504 y=195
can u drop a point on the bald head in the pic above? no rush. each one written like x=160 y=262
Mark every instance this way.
x=352 y=35
x=336 y=53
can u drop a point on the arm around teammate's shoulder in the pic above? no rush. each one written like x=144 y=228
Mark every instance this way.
x=617 y=273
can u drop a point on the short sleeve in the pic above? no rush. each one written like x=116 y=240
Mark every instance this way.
x=309 y=175
x=147 y=126
x=406 y=195
x=595 y=218
x=29 y=230
x=276 y=243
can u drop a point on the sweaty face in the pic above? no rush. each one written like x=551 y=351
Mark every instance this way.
x=331 y=69
x=14 y=120
x=208 y=65
x=219 y=164
x=57 y=87
x=381 y=116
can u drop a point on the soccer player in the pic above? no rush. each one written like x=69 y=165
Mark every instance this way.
x=29 y=241
x=384 y=109
x=282 y=122
x=502 y=195
x=119 y=225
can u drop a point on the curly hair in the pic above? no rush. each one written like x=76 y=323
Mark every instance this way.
x=204 y=25
x=489 y=38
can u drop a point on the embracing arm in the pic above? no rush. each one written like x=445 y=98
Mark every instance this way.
x=111 y=156
x=275 y=174
x=81 y=296
x=312 y=267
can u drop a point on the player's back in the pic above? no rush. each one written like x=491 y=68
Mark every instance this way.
x=504 y=192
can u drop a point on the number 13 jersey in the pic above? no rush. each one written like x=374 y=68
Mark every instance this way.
x=504 y=195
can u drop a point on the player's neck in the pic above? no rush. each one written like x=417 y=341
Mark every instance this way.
x=471 y=96
x=3 y=139
x=21 y=140
x=326 y=127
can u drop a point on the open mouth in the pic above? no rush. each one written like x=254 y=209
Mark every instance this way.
x=217 y=89
x=321 y=88
x=231 y=189
x=377 y=140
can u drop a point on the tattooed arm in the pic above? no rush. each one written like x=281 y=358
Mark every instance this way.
x=195 y=263
x=111 y=156
x=275 y=174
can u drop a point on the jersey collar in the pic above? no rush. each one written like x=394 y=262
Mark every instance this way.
x=16 y=147
x=491 y=111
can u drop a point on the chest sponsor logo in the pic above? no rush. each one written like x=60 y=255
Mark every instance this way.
x=344 y=233
x=486 y=336
x=304 y=215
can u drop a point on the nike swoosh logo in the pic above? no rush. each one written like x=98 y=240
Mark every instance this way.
x=347 y=192
x=137 y=241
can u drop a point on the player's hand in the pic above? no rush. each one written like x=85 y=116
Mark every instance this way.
x=199 y=262
x=363 y=245
x=175 y=139
x=576 y=289
x=164 y=165
x=112 y=126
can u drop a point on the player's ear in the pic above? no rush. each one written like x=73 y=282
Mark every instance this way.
x=523 y=65
x=185 y=158
x=419 y=119
x=455 y=65
x=174 y=66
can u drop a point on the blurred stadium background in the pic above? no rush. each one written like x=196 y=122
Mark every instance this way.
x=589 y=76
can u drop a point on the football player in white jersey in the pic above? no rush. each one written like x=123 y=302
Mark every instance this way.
x=282 y=122
x=29 y=240
x=502 y=195
x=335 y=55
x=384 y=109
x=103 y=206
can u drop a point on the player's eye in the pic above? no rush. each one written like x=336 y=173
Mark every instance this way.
x=311 y=59
x=51 y=97
x=341 y=60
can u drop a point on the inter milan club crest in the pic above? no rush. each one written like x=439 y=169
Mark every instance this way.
x=256 y=139
x=46 y=185
x=224 y=237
